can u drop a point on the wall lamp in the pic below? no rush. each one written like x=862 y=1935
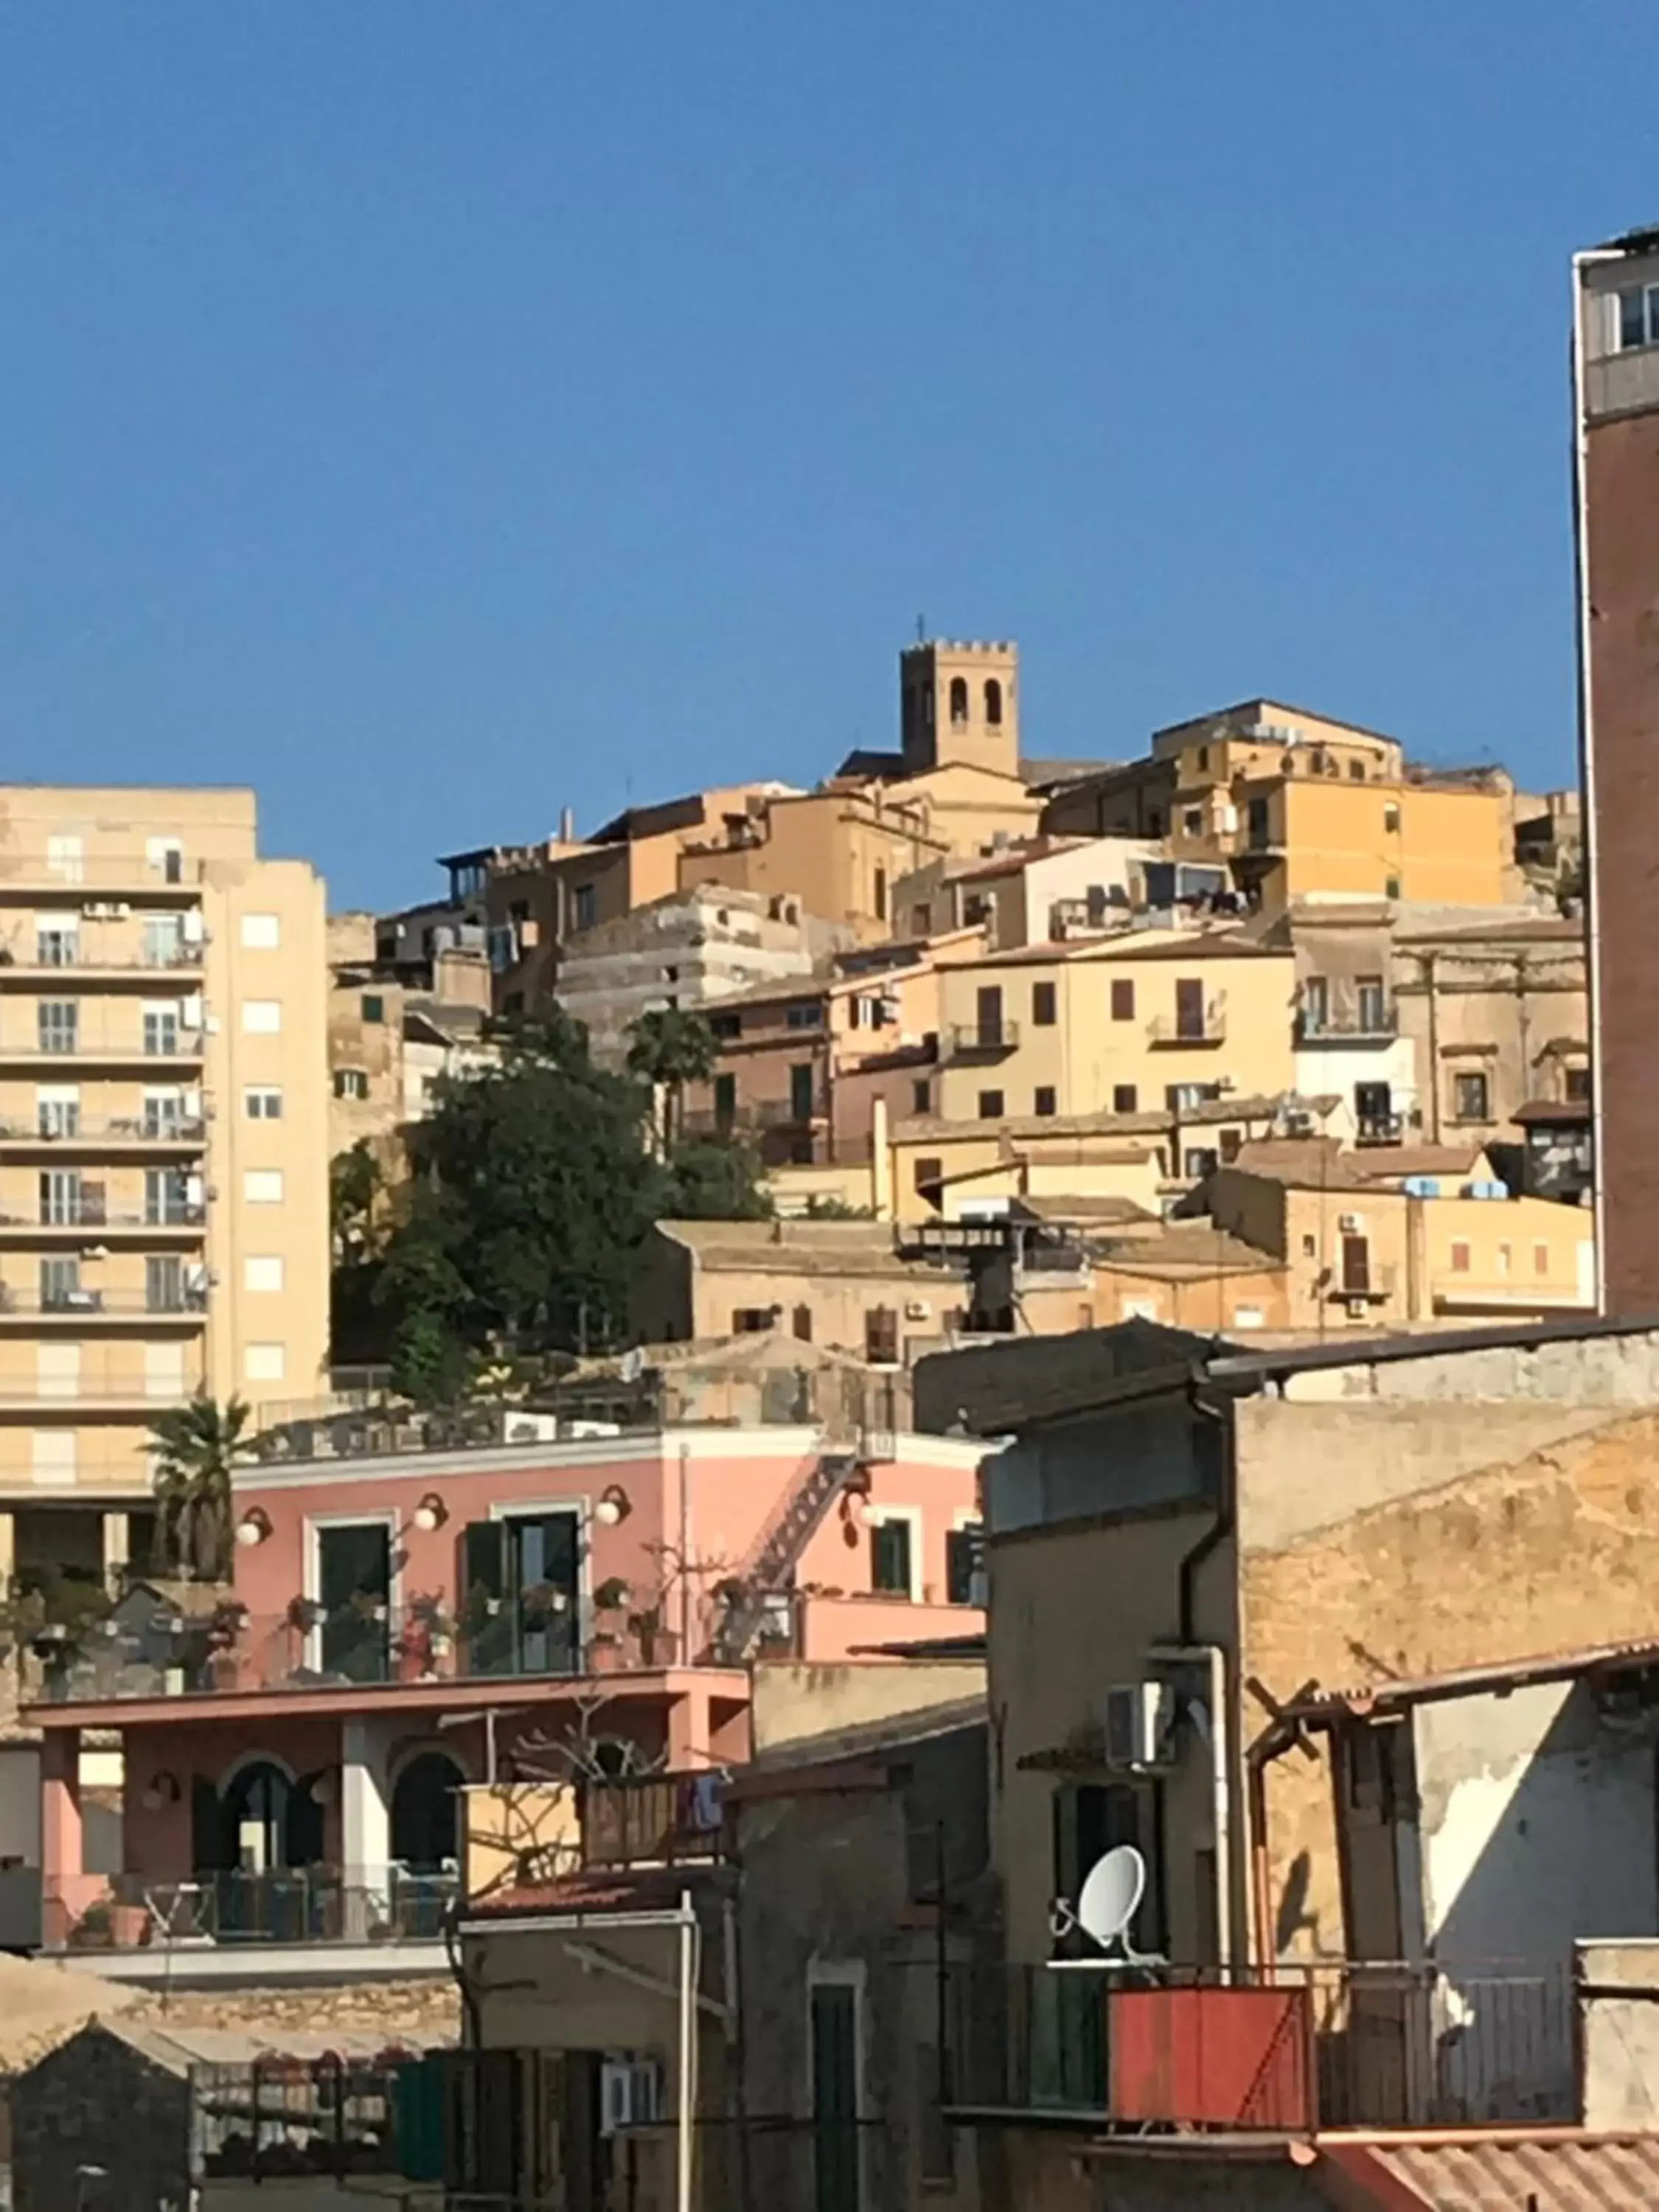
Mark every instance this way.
x=253 y=1528
x=430 y=1513
x=163 y=1790
x=614 y=1504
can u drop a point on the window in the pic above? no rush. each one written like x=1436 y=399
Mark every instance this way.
x=1356 y=1266
x=164 y=1283
x=1470 y=1098
x=750 y=1320
x=921 y=920
x=503 y=939
x=57 y=1025
x=60 y=1285
x=1043 y=1101
x=168 y=1198
x=988 y=1008
x=1192 y=821
x=58 y=1370
x=161 y=1031
x=1256 y=823
x=965 y=1551
x=929 y=1175
x=66 y=860
x=889 y=1557
x=881 y=1336
x=373 y=1007
x=58 y=1110
x=165 y=856
x=1123 y=998
x=63 y=1201
x=1126 y=1099
x=584 y=906
x=1372 y=996
x=1201 y=1160
x=1373 y=1106
x=1190 y=1020
x=1540 y=1258
x=1203 y=756
x=878 y=895
x=51 y=1456
x=1391 y=887
x=263 y=1102
x=803 y=1088
x=163 y=940
x=726 y=1025
x=992 y=703
x=801 y=1323
x=958 y=701
x=726 y=1101
x=806 y=1014
x=990 y=1105
x=1316 y=1004
x=1639 y=315
x=350 y=1083
x=1391 y=819
x=1310 y=1248
x=261 y=1016
x=261 y=933
x=262 y=1186
x=264 y=1362
x=1576 y=1086
x=921 y=1097
x=56 y=943
x=1506 y=1259
x=1460 y=1258
x=1042 y=1006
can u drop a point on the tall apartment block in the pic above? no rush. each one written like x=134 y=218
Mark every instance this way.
x=163 y=1145
x=1616 y=477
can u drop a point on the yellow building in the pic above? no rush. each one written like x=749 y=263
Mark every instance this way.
x=1122 y=1025
x=839 y=851
x=163 y=1142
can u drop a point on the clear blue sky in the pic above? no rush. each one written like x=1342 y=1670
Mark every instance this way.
x=437 y=411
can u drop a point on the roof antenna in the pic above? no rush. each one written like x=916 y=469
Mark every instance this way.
x=921 y=629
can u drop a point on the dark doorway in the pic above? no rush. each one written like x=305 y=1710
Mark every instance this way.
x=426 y=1813
x=353 y=1587
x=834 y=2098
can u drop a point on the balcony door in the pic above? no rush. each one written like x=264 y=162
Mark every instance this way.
x=353 y=1587
x=1189 y=1007
x=521 y=1605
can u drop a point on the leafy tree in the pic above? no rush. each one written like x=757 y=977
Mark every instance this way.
x=195 y=1448
x=354 y=1186
x=714 y=1180
x=669 y=1048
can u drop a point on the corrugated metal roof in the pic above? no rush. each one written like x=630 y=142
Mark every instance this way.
x=1536 y=2174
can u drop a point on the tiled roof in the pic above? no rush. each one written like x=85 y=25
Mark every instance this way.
x=1537 y=2173
x=606 y=1889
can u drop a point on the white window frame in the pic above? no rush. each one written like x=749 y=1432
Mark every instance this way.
x=249 y=1197
x=252 y=1260
x=265 y=1344
x=262 y=1018
x=261 y=933
x=66 y=858
x=312 y=1570
x=843 y=1974
x=876 y=1517
x=251 y=1091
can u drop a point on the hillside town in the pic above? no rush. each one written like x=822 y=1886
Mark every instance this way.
x=925 y=1488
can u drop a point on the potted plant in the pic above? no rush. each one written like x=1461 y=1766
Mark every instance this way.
x=93 y=1930
x=612 y=1595
x=224 y=1628
x=646 y=1628
x=129 y=1926
x=303 y=1614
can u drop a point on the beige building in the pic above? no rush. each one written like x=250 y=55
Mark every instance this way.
x=390 y=1044
x=1122 y=1024
x=1031 y=892
x=839 y=851
x=163 y=1139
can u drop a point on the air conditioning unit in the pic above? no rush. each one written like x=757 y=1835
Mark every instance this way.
x=119 y=911
x=630 y=2095
x=531 y=1428
x=99 y=910
x=1139 y=1721
x=917 y=1309
x=1351 y=1224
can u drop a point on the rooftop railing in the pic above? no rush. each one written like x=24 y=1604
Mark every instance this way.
x=392 y=1904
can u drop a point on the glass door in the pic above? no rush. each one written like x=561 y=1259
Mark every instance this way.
x=353 y=1591
x=520 y=1607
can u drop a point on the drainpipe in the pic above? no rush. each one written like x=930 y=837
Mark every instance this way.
x=1425 y=964
x=1215 y=1658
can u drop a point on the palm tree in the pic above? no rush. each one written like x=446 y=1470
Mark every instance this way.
x=196 y=1447
x=669 y=1048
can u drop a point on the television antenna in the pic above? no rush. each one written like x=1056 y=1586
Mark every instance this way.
x=1106 y=1906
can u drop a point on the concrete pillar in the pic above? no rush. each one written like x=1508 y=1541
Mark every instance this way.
x=61 y=1862
x=365 y=1823
x=688 y=1730
x=117 y=1546
x=881 y=1163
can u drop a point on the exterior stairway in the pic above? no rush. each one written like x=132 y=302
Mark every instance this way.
x=779 y=1549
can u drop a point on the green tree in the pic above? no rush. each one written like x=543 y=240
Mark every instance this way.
x=355 y=1185
x=714 y=1180
x=668 y=1049
x=195 y=1448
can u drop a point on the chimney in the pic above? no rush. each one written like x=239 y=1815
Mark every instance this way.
x=567 y=825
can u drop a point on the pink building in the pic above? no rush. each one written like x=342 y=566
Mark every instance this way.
x=417 y=1608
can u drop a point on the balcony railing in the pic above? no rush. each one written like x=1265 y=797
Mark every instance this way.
x=88 y=1129
x=97 y=1213
x=963 y=1040
x=55 y=954
x=1367 y=1022
x=134 y=874
x=1287 y=2048
x=115 y=1305
x=1205 y=1024
x=390 y=1905
x=1380 y=1128
x=366 y=1646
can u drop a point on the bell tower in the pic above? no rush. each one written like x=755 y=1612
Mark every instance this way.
x=959 y=706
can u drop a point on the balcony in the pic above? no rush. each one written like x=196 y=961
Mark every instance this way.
x=58 y=962
x=71 y=1224
x=80 y=882
x=1193 y=1025
x=385 y=1905
x=102 y=1135
x=981 y=1040
x=368 y=1646
x=85 y=1046
x=1284 y=2050
x=1380 y=1128
x=87 y=1304
x=1365 y=1023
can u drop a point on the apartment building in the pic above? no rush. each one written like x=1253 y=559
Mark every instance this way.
x=1031 y=891
x=390 y=1044
x=1615 y=408
x=163 y=1142
x=1118 y=1024
x=839 y=851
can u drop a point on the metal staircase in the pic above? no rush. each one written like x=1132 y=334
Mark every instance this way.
x=779 y=1549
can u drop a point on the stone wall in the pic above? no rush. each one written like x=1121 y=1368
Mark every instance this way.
x=99 y=2102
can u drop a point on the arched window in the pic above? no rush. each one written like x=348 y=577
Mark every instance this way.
x=959 y=701
x=994 y=703
x=426 y=1812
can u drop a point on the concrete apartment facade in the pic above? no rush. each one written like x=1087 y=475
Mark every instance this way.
x=1616 y=450
x=163 y=1141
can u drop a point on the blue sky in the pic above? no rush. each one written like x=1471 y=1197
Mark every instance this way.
x=438 y=411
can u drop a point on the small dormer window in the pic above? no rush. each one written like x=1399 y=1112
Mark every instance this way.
x=1638 y=316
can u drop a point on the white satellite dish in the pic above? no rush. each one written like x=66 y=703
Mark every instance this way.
x=1107 y=1905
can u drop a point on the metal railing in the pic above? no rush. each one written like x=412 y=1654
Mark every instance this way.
x=1381 y=1128
x=99 y=1044
x=97 y=1213
x=118 y=1128
x=366 y=1645
x=1206 y=1026
x=89 y=1302
x=964 y=1038
x=1346 y=1023
x=59 y=954
x=392 y=1904
x=1330 y=2043
x=97 y=872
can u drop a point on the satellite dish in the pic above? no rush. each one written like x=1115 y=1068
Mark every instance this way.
x=1108 y=1902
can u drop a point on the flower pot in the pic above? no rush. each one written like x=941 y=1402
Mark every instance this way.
x=129 y=1926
